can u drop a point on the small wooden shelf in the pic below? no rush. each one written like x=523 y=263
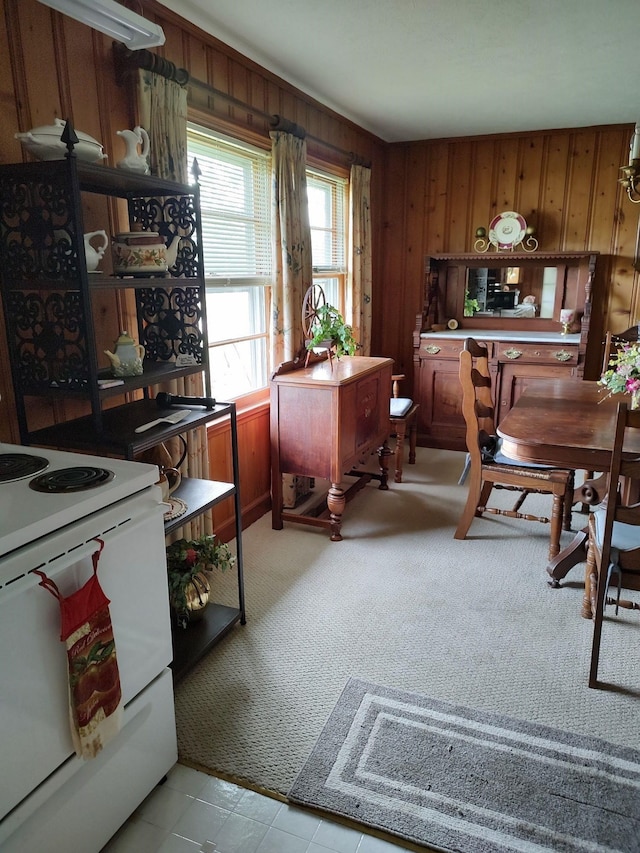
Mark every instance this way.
x=190 y=644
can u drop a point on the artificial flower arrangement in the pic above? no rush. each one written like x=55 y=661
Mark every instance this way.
x=623 y=373
x=189 y=565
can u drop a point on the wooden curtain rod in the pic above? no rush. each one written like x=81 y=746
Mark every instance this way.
x=126 y=59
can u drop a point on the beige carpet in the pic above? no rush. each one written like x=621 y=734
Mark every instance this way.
x=400 y=603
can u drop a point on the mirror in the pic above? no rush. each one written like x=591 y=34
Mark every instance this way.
x=520 y=292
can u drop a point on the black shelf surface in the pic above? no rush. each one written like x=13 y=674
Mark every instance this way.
x=199 y=496
x=118 y=428
x=154 y=373
x=138 y=281
x=193 y=642
x=113 y=181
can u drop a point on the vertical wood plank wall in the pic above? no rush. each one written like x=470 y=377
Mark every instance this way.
x=564 y=183
x=426 y=196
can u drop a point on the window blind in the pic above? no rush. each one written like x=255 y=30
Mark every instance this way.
x=236 y=207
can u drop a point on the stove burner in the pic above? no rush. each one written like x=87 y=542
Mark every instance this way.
x=17 y=466
x=75 y=479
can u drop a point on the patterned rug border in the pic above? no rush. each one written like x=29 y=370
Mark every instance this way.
x=528 y=787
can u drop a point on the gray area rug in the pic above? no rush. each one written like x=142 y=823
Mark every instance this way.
x=459 y=779
x=400 y=602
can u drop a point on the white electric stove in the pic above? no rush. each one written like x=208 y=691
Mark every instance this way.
x=51 y=511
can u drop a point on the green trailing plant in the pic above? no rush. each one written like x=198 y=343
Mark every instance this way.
x=187 y=558
x=470 y=305
x=329 y=325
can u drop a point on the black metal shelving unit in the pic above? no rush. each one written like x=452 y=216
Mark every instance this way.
x=47 y=298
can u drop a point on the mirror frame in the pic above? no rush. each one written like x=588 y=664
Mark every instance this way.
x=446 y=277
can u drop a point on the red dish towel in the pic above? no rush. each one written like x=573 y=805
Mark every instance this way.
x=95 y=697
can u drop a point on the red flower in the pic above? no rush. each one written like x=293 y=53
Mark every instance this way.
x=191 y=556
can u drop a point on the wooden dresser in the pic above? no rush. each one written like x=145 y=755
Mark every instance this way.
x=523 y=348
x=325 y=420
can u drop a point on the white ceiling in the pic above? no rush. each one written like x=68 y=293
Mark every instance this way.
x=429 y=69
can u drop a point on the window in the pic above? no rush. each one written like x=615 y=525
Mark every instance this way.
x=236 y=231
x=235 y=195
x=327 y=216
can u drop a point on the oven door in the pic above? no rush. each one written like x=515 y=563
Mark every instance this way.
x=132 y=571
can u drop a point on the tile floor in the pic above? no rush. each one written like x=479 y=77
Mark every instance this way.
x=197 y=813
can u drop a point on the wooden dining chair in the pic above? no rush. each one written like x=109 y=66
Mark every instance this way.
x=403 y=416
x=613 y=556
x=489 y=468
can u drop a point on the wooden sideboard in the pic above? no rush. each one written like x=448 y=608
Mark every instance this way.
x=515 y=361
x=326 y=419
x=522 y=350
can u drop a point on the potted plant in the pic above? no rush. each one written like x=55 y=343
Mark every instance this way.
x=329 y=331
x=190 y=563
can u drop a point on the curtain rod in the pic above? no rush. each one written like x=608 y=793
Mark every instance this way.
x=126 y=59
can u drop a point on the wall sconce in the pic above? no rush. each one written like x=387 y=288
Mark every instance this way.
x=113 y=19
x=630 y=179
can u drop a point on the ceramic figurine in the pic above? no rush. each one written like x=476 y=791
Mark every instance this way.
x=135 y=160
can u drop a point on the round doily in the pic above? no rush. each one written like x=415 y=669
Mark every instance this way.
x=177 y=507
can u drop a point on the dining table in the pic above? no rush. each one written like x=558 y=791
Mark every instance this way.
x=569 y=423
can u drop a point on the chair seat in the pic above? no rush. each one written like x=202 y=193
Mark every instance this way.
x=624 y=537
x=399 y=406
x=497 y=457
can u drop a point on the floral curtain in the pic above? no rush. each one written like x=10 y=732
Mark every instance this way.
x=291 y=245
x=360 y=254
x=292 y=274
x=162 y=111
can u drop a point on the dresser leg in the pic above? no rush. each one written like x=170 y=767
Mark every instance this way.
x=336 y=502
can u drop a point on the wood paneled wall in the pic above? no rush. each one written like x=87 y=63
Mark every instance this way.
x=426 y=196
x=564 y=183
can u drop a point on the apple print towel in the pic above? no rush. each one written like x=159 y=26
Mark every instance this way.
x=95 y=697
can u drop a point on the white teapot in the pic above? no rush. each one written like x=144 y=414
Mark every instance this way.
x=135 y=160
x=127 y=358
x=92 y=255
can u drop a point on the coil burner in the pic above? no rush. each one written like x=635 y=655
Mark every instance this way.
x=76 y=479
x=18 y=466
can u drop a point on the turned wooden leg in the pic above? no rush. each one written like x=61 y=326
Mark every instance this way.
x=483 y=498
x=568 y=503
x=336 y=503
x=590 y=585
x=556 y=525
x=384 y=452
x=401 y=429
x=413 y=440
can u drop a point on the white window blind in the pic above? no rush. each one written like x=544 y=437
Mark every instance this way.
x=235 y=204
x=327 y=211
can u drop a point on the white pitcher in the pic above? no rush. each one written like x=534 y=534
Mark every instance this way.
x=94 y=256
x=135 y=160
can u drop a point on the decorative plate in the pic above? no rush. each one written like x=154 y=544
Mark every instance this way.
x=507 y=230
